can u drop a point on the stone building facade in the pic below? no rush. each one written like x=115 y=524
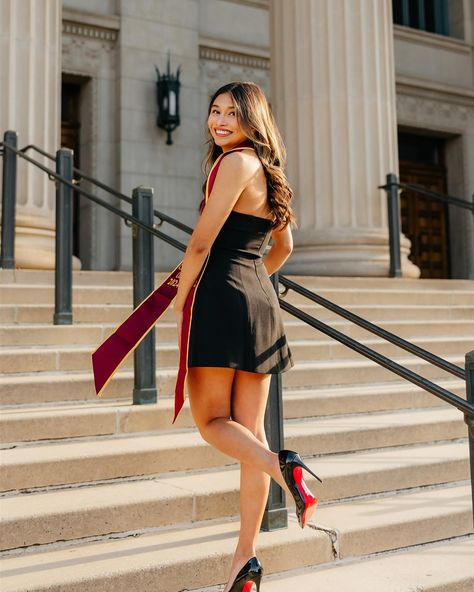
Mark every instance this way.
x=356 y=96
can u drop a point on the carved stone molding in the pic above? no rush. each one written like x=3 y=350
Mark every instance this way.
x=92 y=26
x=433 y=113
x=214 y=74
x=220 y=65
x=89 y=31
x=226 y=56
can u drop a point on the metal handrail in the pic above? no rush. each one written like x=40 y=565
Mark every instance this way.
x=450 y=199
x=161 y=215
x=391 y=187
x=40 y=150
x=128 y=217
x=383 y=333
x=380 y=359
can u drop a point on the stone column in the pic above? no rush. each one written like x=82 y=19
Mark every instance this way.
x=30 y=83
x=333 y=92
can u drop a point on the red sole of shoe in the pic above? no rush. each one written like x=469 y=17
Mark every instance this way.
x=309 y=500
x=248 y=586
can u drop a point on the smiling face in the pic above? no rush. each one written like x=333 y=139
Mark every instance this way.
x=222 y=122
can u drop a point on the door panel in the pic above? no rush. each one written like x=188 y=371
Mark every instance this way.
x=425 y=220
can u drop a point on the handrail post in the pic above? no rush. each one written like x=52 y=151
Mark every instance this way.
x=469 y=419
x=7 y=255
x=393 y=202
x=276 y=515
x=144 y=390
x=64 y=221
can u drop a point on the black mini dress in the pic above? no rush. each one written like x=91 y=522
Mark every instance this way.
x=236 y=318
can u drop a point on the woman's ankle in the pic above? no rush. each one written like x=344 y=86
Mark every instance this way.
x=244 y=551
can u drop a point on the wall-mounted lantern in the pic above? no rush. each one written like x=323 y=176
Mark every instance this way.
x=167 y=95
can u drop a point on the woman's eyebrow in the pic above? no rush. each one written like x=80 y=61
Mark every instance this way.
x=215 y=105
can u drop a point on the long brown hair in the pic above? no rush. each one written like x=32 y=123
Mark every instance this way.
x=256 y=121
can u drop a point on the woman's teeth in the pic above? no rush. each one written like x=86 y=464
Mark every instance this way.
x=222 y=133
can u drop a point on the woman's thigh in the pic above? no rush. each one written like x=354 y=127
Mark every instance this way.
x=249 y=400
x=226 y=392
x=210 y=391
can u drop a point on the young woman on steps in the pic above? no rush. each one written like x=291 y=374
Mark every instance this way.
x=236 y=339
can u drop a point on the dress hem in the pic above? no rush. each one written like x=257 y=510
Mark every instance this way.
x=236 y=367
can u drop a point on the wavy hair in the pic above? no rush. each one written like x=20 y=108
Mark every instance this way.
x=256 y=121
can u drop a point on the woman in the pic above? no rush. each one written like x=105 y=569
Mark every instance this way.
x=237 y=340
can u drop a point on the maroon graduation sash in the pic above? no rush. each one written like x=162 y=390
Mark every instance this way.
x=112 y=353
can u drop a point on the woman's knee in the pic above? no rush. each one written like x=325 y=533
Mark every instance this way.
x=206 y=426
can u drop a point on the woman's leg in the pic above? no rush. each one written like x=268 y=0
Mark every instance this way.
x=210 y=391
x=249 y=399
x=214 y=395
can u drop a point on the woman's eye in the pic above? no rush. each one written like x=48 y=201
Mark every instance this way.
x=215 y=111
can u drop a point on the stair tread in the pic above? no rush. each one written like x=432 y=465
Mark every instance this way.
x=162 y=322
x=155 y=555
x=306 y=304
x=164 y=345
x=116 y=445
x=168 y=486
x=356 y=362
x=326 y=392
x=354 y=515
x=443 y=566
x=405 y=516
x=416 y=288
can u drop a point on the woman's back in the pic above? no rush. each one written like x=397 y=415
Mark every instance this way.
x=253 y=199
x=236 y=320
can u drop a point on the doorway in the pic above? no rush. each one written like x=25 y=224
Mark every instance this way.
x=425 y=220
x=70 y=138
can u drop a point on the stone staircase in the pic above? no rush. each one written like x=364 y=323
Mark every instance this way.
x=101 y=495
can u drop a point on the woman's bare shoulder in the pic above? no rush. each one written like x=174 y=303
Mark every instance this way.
x=239 y=163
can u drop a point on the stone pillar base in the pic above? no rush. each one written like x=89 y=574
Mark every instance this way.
x=35 y=244
x=346 y=253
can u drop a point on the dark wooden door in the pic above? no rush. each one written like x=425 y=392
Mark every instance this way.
x=425 y=220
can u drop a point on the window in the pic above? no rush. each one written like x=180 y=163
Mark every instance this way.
x=427 y=15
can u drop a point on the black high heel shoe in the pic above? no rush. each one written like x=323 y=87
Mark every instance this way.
x=250 y=573
x=291 y=467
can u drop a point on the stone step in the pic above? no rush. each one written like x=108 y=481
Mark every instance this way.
x=436 y=567
x=14 y=360
x=29 y=277
x=103 y=295
x=148 y=559
x=61 y=386
x=379 y=524
x=115 y=313
x=26 y=466
x=171 y=560
x=23 y=424
x=165 y=331
x=66 y=514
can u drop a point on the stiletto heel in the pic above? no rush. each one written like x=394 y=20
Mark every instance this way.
x=291 y=467
x=250 y=574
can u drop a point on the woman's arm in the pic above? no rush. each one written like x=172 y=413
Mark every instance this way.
x=275 y=259
x=192 y=264
x=234 y=174
x=280 y=250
